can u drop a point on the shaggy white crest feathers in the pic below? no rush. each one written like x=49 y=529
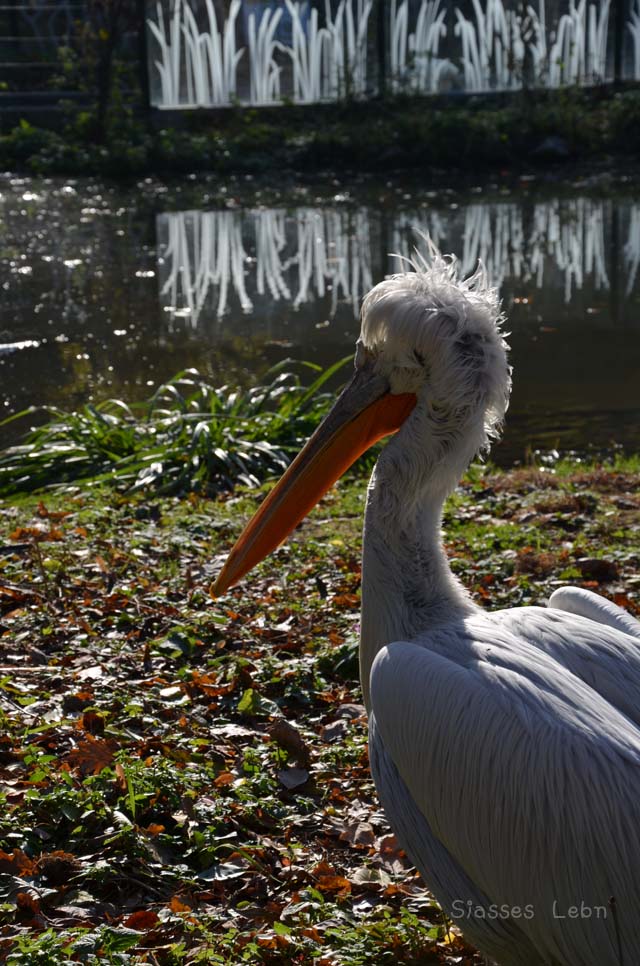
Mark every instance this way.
x=440 y=335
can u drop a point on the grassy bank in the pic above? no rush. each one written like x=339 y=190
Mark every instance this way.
x=186 y=780
x=440 y=133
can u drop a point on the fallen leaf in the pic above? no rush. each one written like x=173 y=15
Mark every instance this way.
x=293 y=777
x=91 y=755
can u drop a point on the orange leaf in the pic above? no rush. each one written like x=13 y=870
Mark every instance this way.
x=92 y=722
x=121 y=777
x=334 y=883
x=36 y=533
x=177 y=905
x=51 y=514
x=142 y=920
x=90 y=756
x=225 y=778
x=16 y=863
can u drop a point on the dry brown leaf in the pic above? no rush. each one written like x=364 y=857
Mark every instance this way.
x=142 y=920
x=16 y=863
x=91 y=755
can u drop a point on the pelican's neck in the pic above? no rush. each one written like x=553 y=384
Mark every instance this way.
x=407 y=585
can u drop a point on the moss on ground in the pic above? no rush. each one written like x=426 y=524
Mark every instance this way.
x=185 y=780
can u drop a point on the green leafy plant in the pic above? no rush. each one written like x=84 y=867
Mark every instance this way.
x=188 y=436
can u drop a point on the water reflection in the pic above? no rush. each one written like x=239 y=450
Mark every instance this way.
x=108 y=291
x=216 y=264
x=210 y=259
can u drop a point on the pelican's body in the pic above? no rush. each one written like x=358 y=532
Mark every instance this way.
x=505 y=746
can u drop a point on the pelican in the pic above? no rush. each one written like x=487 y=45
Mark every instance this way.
x=505 y=745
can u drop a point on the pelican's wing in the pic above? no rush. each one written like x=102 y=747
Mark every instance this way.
x=511 y=781
x=596 y=646
x=577 y=600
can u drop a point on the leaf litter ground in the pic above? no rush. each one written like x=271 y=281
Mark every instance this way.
x=185 y=780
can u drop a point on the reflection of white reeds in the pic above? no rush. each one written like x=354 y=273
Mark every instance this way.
x=209 y=59
x=632 y=248
x=204 y=252
x=317 y=252
x=572 y=235
x=634 y=28
x=271 y=240
x=333 y=255
x=414 y=61
x=569 y=235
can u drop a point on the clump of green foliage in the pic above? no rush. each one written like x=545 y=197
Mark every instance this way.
x=409 y=132
x=190 y=436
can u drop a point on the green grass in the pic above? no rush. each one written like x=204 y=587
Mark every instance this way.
x=188 y=436
x=144 y=813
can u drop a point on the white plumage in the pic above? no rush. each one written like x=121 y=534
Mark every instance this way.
x=505 y=746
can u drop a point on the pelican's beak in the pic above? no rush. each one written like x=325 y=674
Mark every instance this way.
x=364 y=412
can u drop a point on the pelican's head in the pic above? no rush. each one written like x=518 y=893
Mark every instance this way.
x=434 y=334
x=431 y=362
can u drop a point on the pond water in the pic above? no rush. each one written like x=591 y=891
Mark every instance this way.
x=107 y=291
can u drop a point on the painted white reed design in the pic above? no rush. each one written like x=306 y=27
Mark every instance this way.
x=169 y=64
x=579 y=53
x=200 y=68
x=331 y=61
x=205 y=63
x=357 y=30
x=634 y=28
x=502 y=45
x=496 y=45
x=414 y=57
x=265 y=72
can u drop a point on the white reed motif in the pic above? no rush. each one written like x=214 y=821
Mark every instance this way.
x=265 y=72
x=414 y=60
x=495 y=47
x=357 y=30
x=203 y=62
x=169 y=64
x=329 y=62
x=579 y=53
x=634 y=28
